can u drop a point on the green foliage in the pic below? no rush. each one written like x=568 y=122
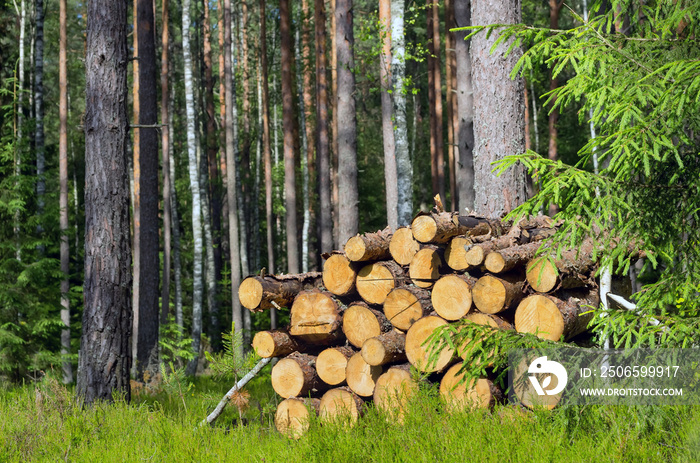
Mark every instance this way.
x=641 y=90
x=229 y=364
x=175 y=382
x=175 y=345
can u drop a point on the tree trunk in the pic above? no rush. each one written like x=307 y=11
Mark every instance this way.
x=148 y=309
x=177 y=265
x=236 y=314
x=136 y=192
x=347 y=123
x=404 y=168
x=67 y=367
x=334 y=123
x=451 y=101
x=322 y=140
x=288 y=128
x=554 y=9
x=105 y=360
x=465 y=108
x=434 y=28
x=20 y=118
x=165 y=160
x=304 y=158
x=497 y=133
x=390 y=180
x=197 y=274
x=39 y=117
x=267 y=152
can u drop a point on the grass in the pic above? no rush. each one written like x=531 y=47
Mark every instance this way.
x=43 y=422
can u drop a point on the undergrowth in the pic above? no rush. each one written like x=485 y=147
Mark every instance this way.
x=43 y=422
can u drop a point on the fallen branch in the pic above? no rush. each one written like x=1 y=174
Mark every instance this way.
x=240 y=384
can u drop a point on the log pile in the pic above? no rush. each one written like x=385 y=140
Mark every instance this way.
x=358 y=329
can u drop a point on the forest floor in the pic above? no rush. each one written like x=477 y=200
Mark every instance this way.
x=43 y=422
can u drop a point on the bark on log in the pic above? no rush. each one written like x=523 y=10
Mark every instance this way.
x=436 y=228
x=468 y=395
x=276 y=343
x=426 y=266
x=516 y=236
x=375 y=281
x=296 y=376
x=316 y=317
x=452 y=296
x=257 y=293
x=573 y=270
x=481 y=226
x=406 y=305
x=341 y=404
x=361 y=376
x=339 y=274
x=403 y=246
x=293 y=416
x=456 y=252
x=507 y=259
x=494 y=294
x=394 y=389
x=418 y=353
x=386 y=348
x=331 y=364
x=361 y=323
x=551 y=318
x=370 y=246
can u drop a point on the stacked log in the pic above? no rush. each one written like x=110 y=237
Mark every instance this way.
x=358 y=330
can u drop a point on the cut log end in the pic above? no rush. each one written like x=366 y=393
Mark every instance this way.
x=542 y=275
x=493 y=295
x=462 y=395
x=340 y=404
x=404 y=306
x=393 y=391
x=275 y=343
x=316 y=318
x=361 y=323
x=339 y=275
x=403 y=246
x=424 y=228
x=494 y=262
x=452 y=297
x=250 y=293
x=295 y=376
x=539 y=315
x=456 y=253
x=418 y=353
x=425 y=266
x=293 y=416
x=375 y=281
x=361 y=376
x=331 y=364
x=475 y=256
x=387 y=348
x=355 y=248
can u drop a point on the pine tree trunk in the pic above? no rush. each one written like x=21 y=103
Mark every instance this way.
x=175 y=226
x=135 y=172
x=305 y=197
x=288 y=128
x=334 y=124
x=149 y=220
x=237 y=316
x=105 y=360
x=390 y=181
x=497 y=133
x=451 y=101
x=39 y=116
x=67 y=367
x=437 y=81
x=267 y=152
x=465 y=108
x=197 y=274
x=311 y=252
x=20 y=118
x=165 y=160
x=322 y=139
x=404 y=168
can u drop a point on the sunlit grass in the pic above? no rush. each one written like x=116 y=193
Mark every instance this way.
x=44 y=423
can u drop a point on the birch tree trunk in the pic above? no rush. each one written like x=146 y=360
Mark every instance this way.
x=390 y=181
x=67 y=367
x=20 y=118
x=237 y=315
x=499 y=128
x=105 y=360
x=288 y=129
x=347 y=123
x=175 y=226
x=303 y=122
x=465 y=108
x=322 y=139
x=404 y=168
x=193 y=168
